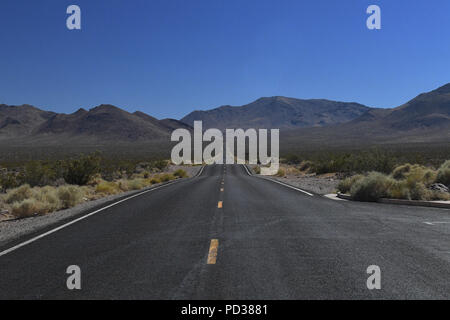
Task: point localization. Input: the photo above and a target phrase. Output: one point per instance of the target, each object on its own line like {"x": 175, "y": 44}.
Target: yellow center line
{"x": 212, "y": 255}
{"x": 219, "y": 205}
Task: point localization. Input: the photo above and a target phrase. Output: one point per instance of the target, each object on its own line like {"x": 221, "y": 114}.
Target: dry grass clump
{"x": 166, "y": 177}
{"x": 28, "y": 208}
{"x": 18, "y": 194}
{"x": 281, "y": 172}
{"x": 137, "y": 184}
{"x": 305, "y": 165}
{"x": 257, "y": 170}
{"x": 70, "y": 196}
{"x": 155, "y": 180}
{"x": 180, "y": 173}
{"x": 26, "y": 201}
{"x": 107, "y": 187}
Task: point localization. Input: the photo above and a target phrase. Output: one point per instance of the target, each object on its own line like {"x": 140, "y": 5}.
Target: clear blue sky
{"x": 169, "y": 57}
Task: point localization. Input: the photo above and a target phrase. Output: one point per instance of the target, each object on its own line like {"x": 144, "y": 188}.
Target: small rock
{"x": 439, "y": 187}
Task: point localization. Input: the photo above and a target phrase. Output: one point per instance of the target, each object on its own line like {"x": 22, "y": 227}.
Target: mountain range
{"x": 425, "y": 118}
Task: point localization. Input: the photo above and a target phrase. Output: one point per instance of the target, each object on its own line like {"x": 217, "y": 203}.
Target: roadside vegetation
{"x": 41, "y": 187}
{"x": 411, "y": 182}
{"x": 368, "y": 175}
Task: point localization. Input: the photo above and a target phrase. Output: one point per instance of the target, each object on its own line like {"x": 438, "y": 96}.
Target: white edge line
{"x": 200, "y": 172}
{"x": 289, "y": 186}
{"x": 246, "y": 169}
{"x": 79, "y": 219}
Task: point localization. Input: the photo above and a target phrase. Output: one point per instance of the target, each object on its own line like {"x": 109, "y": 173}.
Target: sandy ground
{"x": 14, "y": 229}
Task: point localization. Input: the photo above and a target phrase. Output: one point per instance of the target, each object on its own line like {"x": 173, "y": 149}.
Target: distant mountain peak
{"x": 444, "y": 89}
{"x": 278, "y": 112}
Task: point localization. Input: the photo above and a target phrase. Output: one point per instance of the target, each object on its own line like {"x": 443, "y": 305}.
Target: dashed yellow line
{"x": 220, "y": 204}
{"x": 212, "y": 255}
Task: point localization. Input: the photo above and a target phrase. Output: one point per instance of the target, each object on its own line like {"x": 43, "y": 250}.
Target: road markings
{"x": 81, "y": 218}
{"x": 437, "y": 222}
{"x": 220, "y": 204}
{"x": 212, "y": 255}
{"x": 221, "y": 189}
{"x": 200, "y": 172}
{"x": 246, "y": 169}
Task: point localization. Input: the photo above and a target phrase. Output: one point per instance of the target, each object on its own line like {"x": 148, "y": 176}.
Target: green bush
{"x": 36, "y": 173}
{"x": 345, "y": 185}
{"x": 80, "y": 171}
{"x": 372, "y": 187}
{"x": 443, "y": 174}
{"x": 8, "y": 181}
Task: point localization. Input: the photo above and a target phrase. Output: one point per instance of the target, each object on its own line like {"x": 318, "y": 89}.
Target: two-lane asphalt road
{"x": 228, "y": 235}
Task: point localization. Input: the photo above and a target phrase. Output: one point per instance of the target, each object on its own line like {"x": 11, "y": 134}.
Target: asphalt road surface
{"x": 245, "y": 238}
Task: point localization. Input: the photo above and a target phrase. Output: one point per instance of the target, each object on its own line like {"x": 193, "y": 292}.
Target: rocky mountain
{"x": 279, "y": 112}
{"x": 315, "y": 123}
{"x": 103, "y": 123}
{"x": 424, "y": 119}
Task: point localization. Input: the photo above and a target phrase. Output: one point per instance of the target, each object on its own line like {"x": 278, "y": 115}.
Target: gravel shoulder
{"x": 325, "y": 184}
{"x": 14, "y": 229}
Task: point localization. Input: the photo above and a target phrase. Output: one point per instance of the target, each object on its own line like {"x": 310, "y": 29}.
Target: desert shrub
{"x": 136, "y": 184}
{"x": 70, "y": 196}
{"x": 107, "y": 187}
{"x": 257, "y": 170}
{"x": 180, "y": 173}
{"x": 8, "y": 181}
{"x": 414, "y": 174}
{"x": 399, "y": 190}
{"x": 345, "y": 185}
{"x": 372, "y": 187}
{"x": 281, "y": 172}
{"x": 123, "y": 185}
{"x": 443, "y": 174}
{"x": 159, "y": 164}
{"x": 443, "y": 196}
{"x": 292, "y": 159}
{"x": 49, "y": 196}
{"x": 28, "y": 208}
{"x": 36, "y": 173}
{"x": 292, "y": 171}
{"x": 155, "y": 180}
{"x": 401, "y": 171}
{"x": 80, "y": 171}
{"x": 305, "y": 165}
{"x": 19, "y": 194}
{"x": 166, "y": 177}
{"x": 420, "y": 192}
